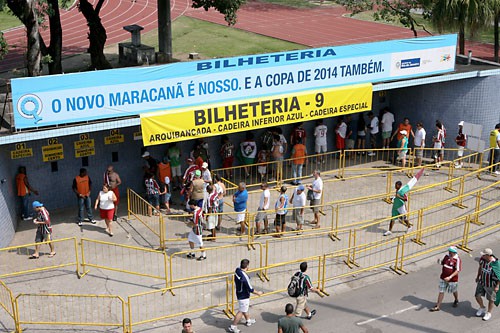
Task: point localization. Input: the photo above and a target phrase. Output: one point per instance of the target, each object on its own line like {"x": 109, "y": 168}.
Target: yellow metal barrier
{"x": 145, "y": 213}
{"x": 124, "y": 258}
{"x": 191, "y": 297}
{"x": 7, "y": 302}
{"x": 71, "y": 310}
{"x": 20, "y": 253}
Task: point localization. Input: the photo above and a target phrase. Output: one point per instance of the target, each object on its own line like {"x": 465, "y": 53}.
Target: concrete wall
{"x": 8, "y": 215}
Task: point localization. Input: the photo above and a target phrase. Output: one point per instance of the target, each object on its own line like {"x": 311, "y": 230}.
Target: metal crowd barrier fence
{"x": 7, "y": 303}
{"x": 70, "y": 310}
{"x": 16, "y": 253}
{"x": 145, "y": 213}
{"x": 124, "y": 258}
{"x": 180, "y": 300}
{"x": 474, "y": 219}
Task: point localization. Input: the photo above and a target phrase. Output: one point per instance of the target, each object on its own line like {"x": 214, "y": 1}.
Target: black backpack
{"x": 295, "y": 285}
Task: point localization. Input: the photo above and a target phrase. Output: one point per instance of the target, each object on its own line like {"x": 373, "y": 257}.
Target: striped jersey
{"x": 487, "y": 277}
{"x": 44, "y": 216}
{"x": 152, "y": 186}
{"x": 198, "y": 219}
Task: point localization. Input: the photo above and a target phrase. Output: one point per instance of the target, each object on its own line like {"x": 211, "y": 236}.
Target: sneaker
{"x": 409, "y": 229}
{"x": 455, "y": 304}
{"x": 201, "y": 258}
{"x": 480, "y": 312}
{"x": 233, "y": 329}
{"x": 387, "y": 233}
{"x": 487, "y": 316}
{"x": 87, "y": 220}
{"x": 80, "y": 223}
{"x": 313, "y": 312}
{"x": 115, "y": 218}
{"x": 93, "y": 221}
{"x": 191, "y": 256}
{"x": 250, "y": 322}
{"x": 459, "y": 166}
{"x": 371, "y": 154}
{"x": 497, "y": 172}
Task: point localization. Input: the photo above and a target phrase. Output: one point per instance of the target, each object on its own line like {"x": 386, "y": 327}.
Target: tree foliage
{"x": 226, "y": 7}
{"x": 4, "y": 47}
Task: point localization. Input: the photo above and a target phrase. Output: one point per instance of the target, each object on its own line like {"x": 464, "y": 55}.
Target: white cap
{"x": 167, "y": 180}
{"x": 461, "y": 123}
{"x": 204, "y": 165}
{"x": 404, "y": 132}
{"x": 146, "y": 154}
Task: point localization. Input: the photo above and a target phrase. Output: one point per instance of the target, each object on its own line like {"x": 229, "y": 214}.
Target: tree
{"x": 30, "y": 13}
{"x": 4, "y": 47}
{"x": 226, "y": 7}
{"x": 495, "y": 7}
{"x": 392, "y": 11}
{"x": 96, "y": 35}
{"x": 461, "y": 15}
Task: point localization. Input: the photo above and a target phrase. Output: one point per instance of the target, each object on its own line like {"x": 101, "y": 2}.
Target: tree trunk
{"x": 55, "y": 47}
{"x": 461, "y": 41}
{"x": 497, "y": 17}
{"x": 96, "y": 35}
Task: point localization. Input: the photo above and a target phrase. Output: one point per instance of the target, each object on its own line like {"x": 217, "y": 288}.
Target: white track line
{"x": 415, "y": 307}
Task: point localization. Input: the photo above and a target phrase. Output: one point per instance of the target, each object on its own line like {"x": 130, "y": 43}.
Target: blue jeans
{"x": 84, "y": 202}
{"x": 25, "y": 205}
{"x": 297, "y": 172}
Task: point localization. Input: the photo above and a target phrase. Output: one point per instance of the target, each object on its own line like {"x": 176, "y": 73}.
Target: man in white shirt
{"x": 320, "y": 142}
{"x": 317, "y": 188}
{"x": 298, "y": 200}
{"x": 373, "y": 127}
{"x": 419, "y": 141}
{"x": 387, "y": 121}
{"x": 265, "y": 199}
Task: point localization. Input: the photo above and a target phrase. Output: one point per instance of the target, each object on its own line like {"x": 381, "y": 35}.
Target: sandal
{"x": 434, "y": 309}
{"x": 52, "y": 254}
{"x": 33, "y": 257}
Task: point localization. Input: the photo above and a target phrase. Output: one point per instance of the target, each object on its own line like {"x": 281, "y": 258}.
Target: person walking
{"x": 306, "y": 287}
{"x": 43, "y": 230}
{"x": 24, "y": 191}
{"x": 82, "y": 186}
{"x": 240, "y": 199}
{"x": 195, "y": 235}
{"x": 290, "y": 323}
{"x": 243, "y": 290}
{"x": 187, "y": 326}
{"x": 265, "y": 199}
{"x": 281, "y": 210}
{"x": 317, "y": 188}
{"x": 298, "y": 200}
{"x": 495, "y": 149}
{"x": 399, "y": 209}
{"x": 106, "y": 201}
{"x": 452, "y": 265}
{"x": 113, "y": 180}
{"x": 488, "y": 283}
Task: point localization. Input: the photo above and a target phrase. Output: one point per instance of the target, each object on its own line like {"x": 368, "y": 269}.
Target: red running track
{"x": 315, "y": 27}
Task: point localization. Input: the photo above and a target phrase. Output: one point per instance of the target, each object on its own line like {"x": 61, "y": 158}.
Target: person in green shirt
{"x": 290, "y": 323}
{"x": 174, "y": 155}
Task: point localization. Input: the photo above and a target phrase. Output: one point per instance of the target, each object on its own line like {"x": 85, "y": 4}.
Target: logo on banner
{"x": 408, "y": 63}
{"x": 445, "y": 57}
{"x": 30, "y": 106}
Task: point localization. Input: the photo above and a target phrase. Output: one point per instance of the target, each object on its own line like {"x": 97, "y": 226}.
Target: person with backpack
{"x": 299, "y": 287}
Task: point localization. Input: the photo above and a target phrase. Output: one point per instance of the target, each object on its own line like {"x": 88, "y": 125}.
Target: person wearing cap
{"x": 298, "y": 200}
{"x": 495, "y": 149}
{"x": 452, "y": 265}
{"x": 461, "y": 141}
{"x": 265, "y": 199}
{"x": 150, "y": 164}
{"x": 44, "y": 229}
{"x": 240, "y": 199}
{"x": 197, "y": 189}
{"x": 281, "y": 210}
{"x": 206, "y": 175}
{"x": 488, "y": 283}
{"x": 403, "y": 147}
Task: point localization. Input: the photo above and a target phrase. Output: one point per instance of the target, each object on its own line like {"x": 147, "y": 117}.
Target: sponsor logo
{"x": 30, "y": 106}
{"x": 410, "y": 63}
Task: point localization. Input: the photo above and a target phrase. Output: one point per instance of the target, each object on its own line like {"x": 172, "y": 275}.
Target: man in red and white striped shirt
{"x": 44, "y": 229}
{"x": 487, "y": 283}
{"x": 452, "y": 265}
{"x": 195, "y": 235}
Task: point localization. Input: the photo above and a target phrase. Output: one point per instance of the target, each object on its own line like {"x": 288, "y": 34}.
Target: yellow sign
{"x": 21, "y": 151}
{"x": 244, "y": 115}
{"x": 84, "y": 148}
{"x": 114, "y": 137}
{"x": 137, "y": 136}
{"x": 53, "y": 152}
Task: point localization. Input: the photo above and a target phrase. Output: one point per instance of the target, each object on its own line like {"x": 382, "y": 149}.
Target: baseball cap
{"x": 146, "y": 154}
{"x": 461, "y": 123}
{"x": 167, "y": 180}
{"x": 452, "y": 249}
{"x": 404, "y": 132}
{"x": 301, "y": 188}
{"x": 204, "y": 165}
{"x": 37, "y": 204}
{"x": 189, "y": 160}
{"x": 197, "y": 173}
{"x": 487, "y": 251}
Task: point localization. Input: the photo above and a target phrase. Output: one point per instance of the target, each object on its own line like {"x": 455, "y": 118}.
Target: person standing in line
{"x": 164, "y": 172}
{"x": 24, "y": 191}
{"x": 211, "y": 204}
{"x": 306, "y": 287}
{"x": 404, "y": 126}
{"x": 298, "y": 200}
{"x": 277, "y": 152}
{"x": 262, "y": 160}
{"x": 299, "y": 153}
{"x": 221, "y": 192}
{"x": 373, "y": 127}
{"x": 82, "y": 186}
{"x": 227, "y": 154}
{"x": 298, "y": 132}
{"x": 340, "y": 134}
{"x": 240, "y": 199}
{"x": 403, "y": 146}
{"x": 265, "y": 198}
{"x": 452, "y": 265}
{"x": 153, "y": 193}
{"x": 281, "y": 210}
{"x": 197, "y": 189}
{"x": 461, "y": 141}
{"x": 43, "y": 230}
{"x": 438, "y": 145}
{"x": 290, "y": 323}
{"x": 195, "y": 236}
{"x": 106, "y": 201}
{"x": 387, "y": 121}
{"x": 187, "y": 326}
{"x": 419, "y": 143}
{"x": 243, "y": 290}
{"x": 361, "y": 133}
{"x": 248, "y": 152}
{"x": 488, "y": 283}
{"x": 317, "y": 188}
{"x": 174, "y": 156}
{"x": 206, "y": 175}
{"x": 349, "y": 141}
{"x": 113, "y": 180}
{"x": 320, "y": 145}
{"x": 495, "y": 149}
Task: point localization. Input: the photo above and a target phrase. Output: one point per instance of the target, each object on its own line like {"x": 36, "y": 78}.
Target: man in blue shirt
{"x": 240, "y": 199}
{"x": 243, "y": 291}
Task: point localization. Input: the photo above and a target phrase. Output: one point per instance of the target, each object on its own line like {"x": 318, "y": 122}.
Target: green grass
{"x": 8, "y": 21}
{"x": 211, "y": 40}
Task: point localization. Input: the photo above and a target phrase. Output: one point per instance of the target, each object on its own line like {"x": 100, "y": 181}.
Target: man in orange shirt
{"x": 404, "y": 126}
{"x": 24, "y": 190}
{"x": 82, "y": 186}
{"x": 299, "y": 153}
